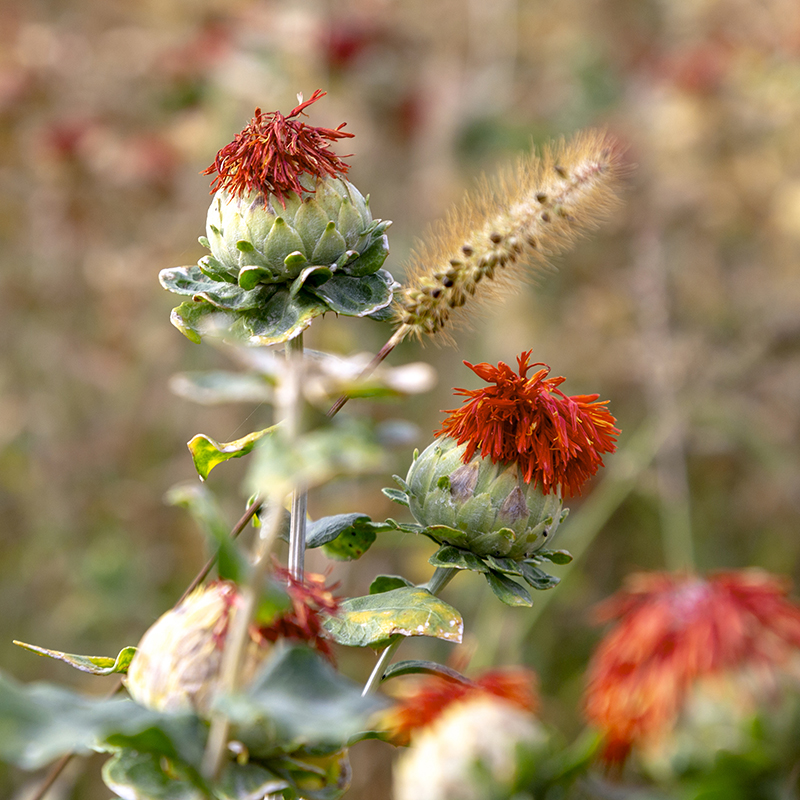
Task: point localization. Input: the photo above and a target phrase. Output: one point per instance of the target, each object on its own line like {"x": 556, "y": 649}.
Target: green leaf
{"x": 300, "y": 698}
{"x": 197, "y": 319}
{"x": 505, "y": 565}
{"x": 355, "y": 296}
{"x": 96, "y": 665}
{"x": 554, "y": 556}
{"x": 538, "y": 578}
{"x": 385, "y": 583}
{"x": 396, "y": 496}
{"x": 220, "y": 386}
{"x": 406, "y": 611}
{"x": 282, "y": 317}
{"x": 326, "y": 778}
{"x": 423, "y": 668}
{"x": 456, "y": 558}
{"x": 145, "y": 776}
{"x": 510, "y": 592}
{"x": 326, "y": 529}
{"x": 207, "y": 452}
{"x": 345, "y": 447}
{"x": 350, "y": 545}
{"x": 231, "y": 296}
{"x": 40, "y": 722}
{"x": 187, "y": 281}
{"x": 231, "y": 562}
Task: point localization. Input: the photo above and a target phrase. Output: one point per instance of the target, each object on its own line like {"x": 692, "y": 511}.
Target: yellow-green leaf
{"x": 207, "y": 452}
{"x": 97, "y": 665}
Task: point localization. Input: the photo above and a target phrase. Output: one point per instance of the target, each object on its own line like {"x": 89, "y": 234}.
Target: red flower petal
{"x": 273, "y": 151}
{"x": 557, "y": 441}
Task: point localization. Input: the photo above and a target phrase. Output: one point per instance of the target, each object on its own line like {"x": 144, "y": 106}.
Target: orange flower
{"x": 556, "y": 440}
{"x": 431, "y": 696}
{"x": 675, "y": 630}
{"x": 273, "y": 151}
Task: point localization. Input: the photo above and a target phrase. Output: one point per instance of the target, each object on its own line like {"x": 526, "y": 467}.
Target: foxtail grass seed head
{"x": 532, "y": 212}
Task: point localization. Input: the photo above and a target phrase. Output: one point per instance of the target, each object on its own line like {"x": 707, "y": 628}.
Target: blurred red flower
{"x": 675, "y": 629}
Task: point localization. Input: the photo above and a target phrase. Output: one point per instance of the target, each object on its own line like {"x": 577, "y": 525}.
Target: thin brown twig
{"x": 60, "y": 765}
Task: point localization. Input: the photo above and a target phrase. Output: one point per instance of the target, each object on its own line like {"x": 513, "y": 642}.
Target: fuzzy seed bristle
{"x": 503, "y": 225}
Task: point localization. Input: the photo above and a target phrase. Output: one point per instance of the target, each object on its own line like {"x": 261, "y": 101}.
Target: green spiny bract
{"x": 479, "y": 506}
{"x": 329, "y": 228}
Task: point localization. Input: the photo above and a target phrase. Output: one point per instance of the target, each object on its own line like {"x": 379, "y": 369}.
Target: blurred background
{"x": 683, "y": 310}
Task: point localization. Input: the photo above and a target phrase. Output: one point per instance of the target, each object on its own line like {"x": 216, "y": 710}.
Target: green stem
{"x": 237, "y": 639}
{"x": 297, "y": 532}
{"x": 441, "y": 577}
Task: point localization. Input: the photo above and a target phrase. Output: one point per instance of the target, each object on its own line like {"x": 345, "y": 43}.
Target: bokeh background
{"x": 683, "y": 311}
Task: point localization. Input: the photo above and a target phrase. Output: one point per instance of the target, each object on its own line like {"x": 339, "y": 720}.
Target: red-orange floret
{"x": 310, "y": 600}
{"x": 432, "y": 695}
{"x": 673, "y": 629}
{"x": 273, "y": 151}
{"x": 556, "y": 440}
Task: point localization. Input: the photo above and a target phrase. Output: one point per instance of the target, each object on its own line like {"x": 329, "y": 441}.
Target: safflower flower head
{"x": 689, "y": 658}
{"x": 466, "y": 738}
{"x": 178, "y": 662}
{"x": 271, "y": 153}
{"x": 557, "y": 441}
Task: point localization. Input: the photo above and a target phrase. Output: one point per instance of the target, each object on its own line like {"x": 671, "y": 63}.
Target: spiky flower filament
{"x": 556, "y": 440}
{"x": 532, "y": 212}
{"x": 272, "y": 152}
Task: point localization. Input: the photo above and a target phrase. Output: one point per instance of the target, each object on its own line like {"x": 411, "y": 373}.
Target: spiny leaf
{"x": 96, "y": 665}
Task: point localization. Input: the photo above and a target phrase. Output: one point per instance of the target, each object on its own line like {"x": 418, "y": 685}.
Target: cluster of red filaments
{"x": 272, "y": 153}
{"x": 310, "y": 600}
{"x": 557, "y": 441}
{"x": 673, "y": 630}
{"x": 431, "y": 696}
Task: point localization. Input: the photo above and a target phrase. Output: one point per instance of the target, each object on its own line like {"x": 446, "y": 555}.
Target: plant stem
{"x": 441, "y": 577}
{"x": 297, "y": 532}
{"x": 237, "y": 639}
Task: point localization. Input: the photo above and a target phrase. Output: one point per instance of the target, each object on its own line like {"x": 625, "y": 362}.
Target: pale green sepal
{"x": 96, "y": 665}
{"x": 252, "y": 274}
{"x": 371, "y": 259}
{"x": 329, "y": 247}
{"x": 282, "y": 239}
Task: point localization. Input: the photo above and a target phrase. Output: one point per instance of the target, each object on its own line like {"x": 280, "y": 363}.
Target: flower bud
{"x": 482, "y": 506}
{"x": 266, "y": 239}
{"x": 178, "y": 661}
{"x": 468, "y": 741}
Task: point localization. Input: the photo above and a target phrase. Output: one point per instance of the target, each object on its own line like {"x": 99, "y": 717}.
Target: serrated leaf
{"x": 554, "y": 556}
{"x": 406, "y": 611}
{"x": 396, "y": 496}
{"x": 96, "y": 665}
{"x": 423, "y": 668}
{"x": 220, "y": 386}
{"x": 40, "y": 722}
{"x": 354, "y": 296}
{"x": 510, "y": 592}
{"x": 454, "y": 557}
{"x": 298, "y": 695}
{"x": 538, "y": 578}
{"x": 207, "y": 453}
{"x": 385, "y": 583}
